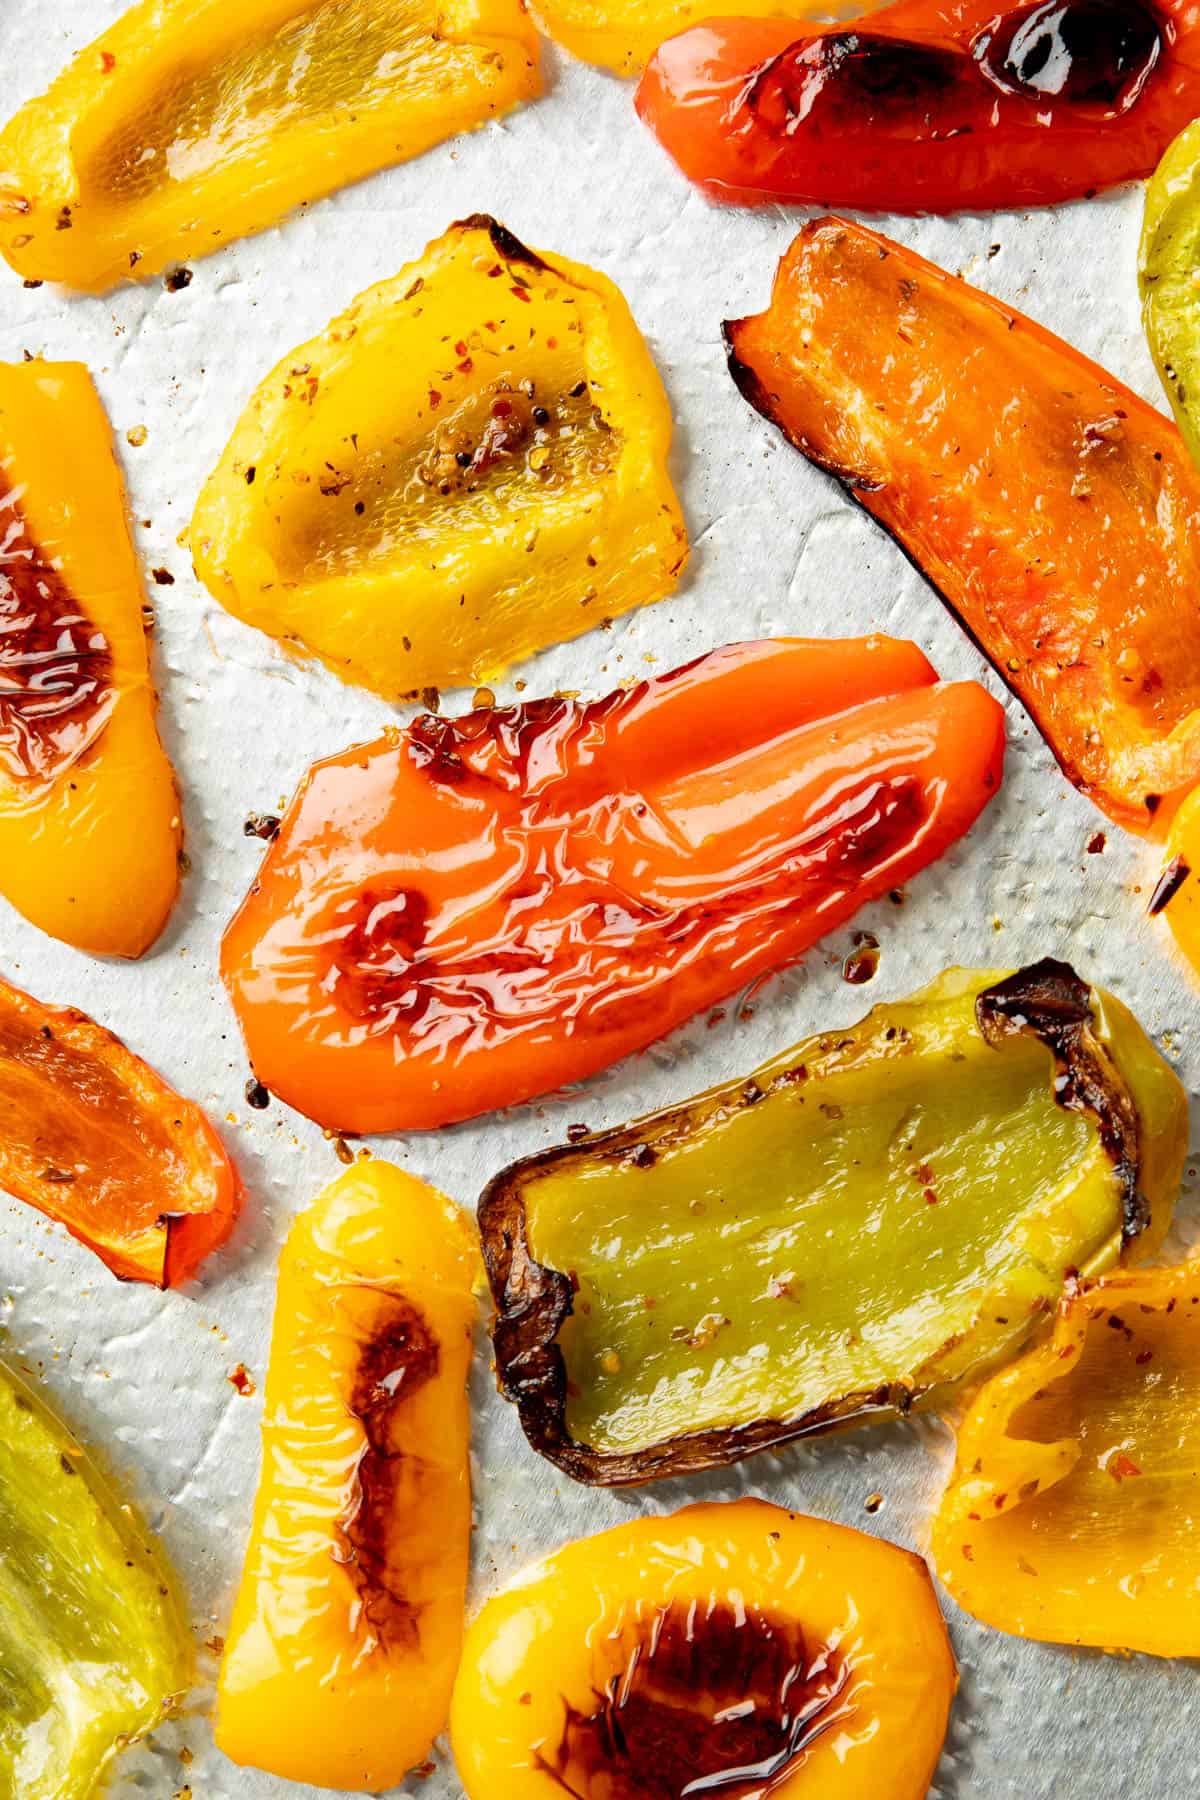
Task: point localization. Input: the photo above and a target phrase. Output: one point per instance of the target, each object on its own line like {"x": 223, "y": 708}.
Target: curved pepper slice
{"x": 192, "y": 122}
{"x": 932, "y": 106}
{"x": 468, "y": 465}
{"x": 92, "y": 1645}
{"x": 623, "y": 36}
{"x": 348, "y": 1622}
{"x": 92, "y": 1137}
{"x": 732, "y": 1649}
{"x": 1070, "y": 1515}
{"x": 477, "y": 910}
{"x": 1035, "y": 491}
{"x": 89, "y": 815}
{"x": 1168, "y": 257}
{"x": 861, "y": 1224}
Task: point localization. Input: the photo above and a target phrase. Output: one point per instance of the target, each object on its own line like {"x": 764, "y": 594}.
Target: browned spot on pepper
{"x": 56, "y": 666}
{"x": 380, "y": 934}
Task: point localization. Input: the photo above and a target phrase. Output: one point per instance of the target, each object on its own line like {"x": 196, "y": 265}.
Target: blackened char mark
{"x": 1096, "y": 54}
{"x": 848, "y": 79}
{"x": 504, "y": 241}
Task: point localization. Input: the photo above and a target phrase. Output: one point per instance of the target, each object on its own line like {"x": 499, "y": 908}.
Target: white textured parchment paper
{"x": 144, "y": 1376}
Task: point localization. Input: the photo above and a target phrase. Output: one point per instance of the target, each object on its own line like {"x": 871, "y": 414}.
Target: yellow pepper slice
{"x": 348, "y": 1622}
{"x": 734, "y": 1650}
{"x": 623, "y": 36}
{"x": 191, "y": 122}
{"x": 1070, "y": 1515}
{"x": 469, "y": 464}
{"x": 89, "y": 815}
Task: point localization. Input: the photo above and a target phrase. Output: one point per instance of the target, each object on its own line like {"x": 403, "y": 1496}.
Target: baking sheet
{"x": 145, "y": 1376}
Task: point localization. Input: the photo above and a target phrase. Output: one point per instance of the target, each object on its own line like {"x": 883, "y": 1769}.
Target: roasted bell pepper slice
{"x": 731, "y": 1649}
{"x": 624, "y": 35}
{"x": 1167, "y": 262}
{"x": 477, "y": 910}
{"x": 469, "y": 464}
{"x": 93, "y": 1649}
{"x": 931, "y": 106}
{"x": 1070, "y": 1515}
{"x": 348, "y": 1622}
{"x": 191, "y": 122}
{"x": 93, "y": 1138}
{"x": 856, "y": 1227}
{"x": 89, "y": 814}
{"x": 1035, "y": 491}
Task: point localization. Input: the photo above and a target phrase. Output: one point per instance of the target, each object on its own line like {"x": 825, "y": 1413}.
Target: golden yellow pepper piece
{"x": 469, "y": 464}
{"x": 191, "y": 122}
{"x": 624, "y": 36}
{"x": 347, "y": 1627}
{"x": 89, "y": 815}
{"x": 1071, "y": 1512}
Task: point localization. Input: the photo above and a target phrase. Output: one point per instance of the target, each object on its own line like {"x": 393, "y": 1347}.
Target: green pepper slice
{"x": 92, "y": 1648}
{"x": 856, "y": 1229}
{"x": 1168, "y": 273}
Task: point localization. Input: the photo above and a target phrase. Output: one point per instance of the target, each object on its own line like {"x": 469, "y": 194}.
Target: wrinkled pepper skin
{"x": 474, "y": 911}
{"x": 469, "y": 464}
{"x": 1168, "y": 258}
{"x": 675, "y": 1294}
{"x": 348, "y": 1623}
{"x": 672, "y": 1654}
{"x": 193, "y": 122}
{"x": 90, "y": 831}
{"x": 931, "y": 106}
{"x": 623, "y": 37}
{"x": 93, "y": 1649}
{"x": 1055, "y": 512}
{"x": 92, "y": 1137}
{"x": 1070, "y": 1515}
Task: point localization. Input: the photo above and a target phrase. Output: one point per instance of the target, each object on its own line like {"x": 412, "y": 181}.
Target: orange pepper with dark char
{"x": 1055, "y": 512}
{"x": 92, "y": 1137}
{"x": 473, "y": 911}
{"x": 89, "y": 814}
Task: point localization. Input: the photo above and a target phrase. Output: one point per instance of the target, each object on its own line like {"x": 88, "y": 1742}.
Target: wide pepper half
{"x": 1071, "y": 1513}
{"x": 191, "y": 122}
{"x": 1056, "y": 512}
{"x": 93, "y": 1138}
{"x": 847, "y": 1233}
{"x": 932, "y": 105}
{"x": 93, "y": 1649}
{"x": 89, "y": 814}
{"x": 348, "y": 1622}
{"x": 469, "y": 464}
{"x": 473, "y": 911}
{"x": 734, "y": 1650}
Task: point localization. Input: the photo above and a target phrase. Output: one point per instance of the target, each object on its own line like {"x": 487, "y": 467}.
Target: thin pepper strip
{"x": 931, "y": 105}
{"x": 621, "y": 35}
{"x": 1070, "y": 1515}
{"x": 90, "y": 833}
{"x": 476, "y": 910}
{"x": 1055, "y": 512}
{"x": 738, "y": 1650}
{"x": 93, "y": 1647}
{"x": 192, "y": 122}
{"x": 853, "y": 1230}
{"x": 92, "y": 1137}
{"x": 1168, "y": 255}
{"x": 346, "y": 1632}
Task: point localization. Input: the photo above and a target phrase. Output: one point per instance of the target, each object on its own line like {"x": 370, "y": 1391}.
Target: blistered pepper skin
{"x": 469, "y": 464}
{"x": 1059, "y": 519}
{"x": 931, "y": 105}
{"x": 671, "y": 1654}
{"x": 474, "y": 911}
{"x": 91, "y": 1136}
{"x": 677, "y": 1293}
{"x": 1070, "y": 1515}
{"x": 90, "y": 833}
{"x": 192, "y": 122}
{"x": 93, "y": 1646}
{"x": 348, "y": 1622}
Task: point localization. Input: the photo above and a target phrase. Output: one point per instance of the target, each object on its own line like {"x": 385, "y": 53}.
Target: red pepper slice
{"x": 93, "y": 1138}
{"x": 928, "y": 105}
{"x": 477, "y": 910}
{"x": 1057, "y": 514}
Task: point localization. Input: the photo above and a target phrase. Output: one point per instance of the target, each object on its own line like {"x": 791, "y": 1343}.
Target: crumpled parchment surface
{"x": 144, "y": 1376}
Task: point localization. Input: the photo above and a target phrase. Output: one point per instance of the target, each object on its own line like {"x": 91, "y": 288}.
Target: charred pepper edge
{"x": 750, "y": 386}
{"x": 504, "y": 242}
{"x": 1047, "y": 1001}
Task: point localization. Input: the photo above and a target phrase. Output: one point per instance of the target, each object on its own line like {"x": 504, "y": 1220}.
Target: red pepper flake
{"x": 1096, "y": 843}
{"x": 435, "y": 399}
{"x": 930, "y": 1197}
{"x": 242, "y": 1380}
{"x": 520, "y": 294}
{"x": 1121, "y": 1468}
{"x": 108, "y": 62}
{"x": 460, "y": 349}
{"x": 1143, "y": 1357}
{"x": 465, "y": 366}
{"x": 968, "y": 1552}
